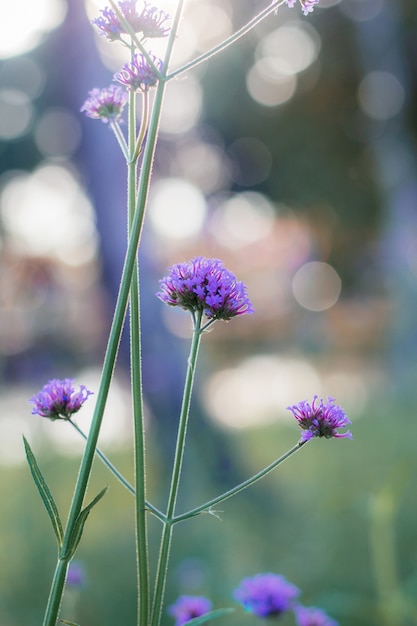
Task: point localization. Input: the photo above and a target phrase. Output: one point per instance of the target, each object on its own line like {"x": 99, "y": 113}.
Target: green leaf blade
{"x": 45, "y": 493}
{"x": 77, "y": 531}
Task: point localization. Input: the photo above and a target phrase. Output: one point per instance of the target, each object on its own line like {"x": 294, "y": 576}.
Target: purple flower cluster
{"x": 188, "y": 607}
{"x": 58, "y": 399}
{"x": 306, "y": 5}
{"x": 151, "y": 21}
{"x": 105, "y": 104}
{"x": 266, "y": 595}
{"x": 139, "y": 74}
{"x": 205, "y": 285}
{"x": 320, "y": 419}
{"x": 312, "y": 616}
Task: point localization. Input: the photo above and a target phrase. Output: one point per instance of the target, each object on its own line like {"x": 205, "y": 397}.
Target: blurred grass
{"x": 323, "y": 520}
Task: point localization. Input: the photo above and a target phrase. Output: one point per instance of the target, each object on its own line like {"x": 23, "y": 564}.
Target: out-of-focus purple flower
{"x": 105, "y": 104}
{"x": 58, "y": 399}
{"x": 151, "y": 21}
{"x": 320, "y": 419}
{"x": 109, "y": 24}
{"x": 75, "y": 575}
{"x": 205, "y": 285}
{"x": 312, "y": 616}
{"x": 188, "y": 607}
{"x": 266, "y": 595}
{"x": 306, "y": 5}
{"x": 139, "y": 75}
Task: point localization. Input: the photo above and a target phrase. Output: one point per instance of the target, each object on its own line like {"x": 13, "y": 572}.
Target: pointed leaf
{"x": 196, "y": 621}
{"x": 44, "y": 493}
{"x": 77, "y": 531}
{"x": 64, "y": 621}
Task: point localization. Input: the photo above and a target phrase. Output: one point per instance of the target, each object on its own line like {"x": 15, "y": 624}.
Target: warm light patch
{"x": 23, "y": 24}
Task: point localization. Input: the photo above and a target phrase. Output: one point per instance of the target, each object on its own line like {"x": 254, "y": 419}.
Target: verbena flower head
{"x": 58, "y": 399}
{"x": 139, "y": 75}
{"x": 105, "y": 104}
{"x": 320, "y": 419}
{"x": 312, "y": 616}
{"x": 188, "y": 607}
{"x": 151, "y": 21}
{"x": 205, "y": 285}
{"x": 306, "y": 5}
{"x": 266, "y": 595}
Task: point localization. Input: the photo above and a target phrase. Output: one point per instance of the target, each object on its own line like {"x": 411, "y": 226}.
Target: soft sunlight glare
{"x": 381, "y": 95}
{"x": 177, "y": 208}
{"x": 258, "y": 390}
{"x": 183, "y": 106}
{"x": 295, "y": 46}
{"x": 270, "y": 84}
{"x": 47, "y": 214}
{"x": 58, "y": 132}
{"x": 316, "y": 286}
{"x": 242, "y": 219}
{"x": 16, "y": 114}
{"x": 23, "y": 24}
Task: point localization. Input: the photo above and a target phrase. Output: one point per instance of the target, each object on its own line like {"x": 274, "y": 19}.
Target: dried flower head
{"x": 58, "y": 399}
{"x": 307, "y": 6}
{"x": 188, "y": 607}
{"x": 151, "y": 21}
{"x": 312, "y": 616}
{"x": 266, "y": 595}
{"x": 105, "y": 104}
{"x": 139, "y": 74}
{"x": 205, "y": 285}
{"x": 320, "y": 419}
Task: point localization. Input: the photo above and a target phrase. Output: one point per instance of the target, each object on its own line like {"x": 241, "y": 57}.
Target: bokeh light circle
{"x": 316, "y": 286}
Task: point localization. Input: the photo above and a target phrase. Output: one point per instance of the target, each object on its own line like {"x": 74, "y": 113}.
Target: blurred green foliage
{"x": 329, "y": 520}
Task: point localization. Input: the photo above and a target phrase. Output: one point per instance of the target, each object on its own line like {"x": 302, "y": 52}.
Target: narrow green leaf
{"x": 77, "y": 531}
{"x": 64, "y": 621}
{"x": 44, "y": 493}
{"x": 196, "y": 621}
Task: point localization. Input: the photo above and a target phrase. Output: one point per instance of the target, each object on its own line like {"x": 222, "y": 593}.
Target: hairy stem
{"x": 175, "y": 478}
{"x": 232, "y": 492}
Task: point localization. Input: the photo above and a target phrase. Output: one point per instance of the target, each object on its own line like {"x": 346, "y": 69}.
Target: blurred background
{"x": 292, "y": 157}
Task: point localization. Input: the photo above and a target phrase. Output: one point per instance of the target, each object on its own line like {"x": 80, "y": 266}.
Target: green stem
{"x": 113, "y": 469}
{"x": 136, "y": 384}
{"x": 175, "y": 478}
{"x": 232, "y": 492}
{"x": 115, "y": 126}
{"x": 229, "y": 41}
{"x": 143, "y": 125}
{"x": 106, "y": 461}
{"x": 58, "y": 582}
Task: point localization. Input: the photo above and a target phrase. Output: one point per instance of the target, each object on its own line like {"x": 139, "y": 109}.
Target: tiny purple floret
{"x": 307, "y": 6}
{"x": 266, "y": 595}
{"x": 105, "y": 104}
{"x": 139, "y": 74}
{"x": 320, "y": 419}
{"x": 151, "y": 21}
{"x": 75, "y": 575}
{"x": 189, "y": 607}
{"x": 58, "y": 399}
{"x": 312, "y": 616}
{"x": 205, "y": 285}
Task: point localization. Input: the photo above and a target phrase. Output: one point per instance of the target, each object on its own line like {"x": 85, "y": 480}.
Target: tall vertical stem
{"x": 136, "y": 385}
{"x": 175, "y": 478}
